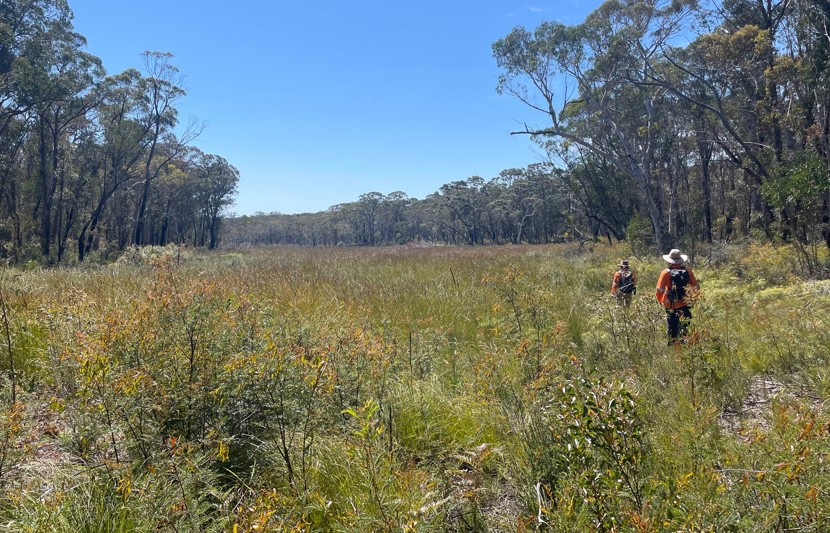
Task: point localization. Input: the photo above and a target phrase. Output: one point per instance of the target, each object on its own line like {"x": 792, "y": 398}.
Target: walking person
{"x": 624, "y": 285}
{"x": 673, "y": 287}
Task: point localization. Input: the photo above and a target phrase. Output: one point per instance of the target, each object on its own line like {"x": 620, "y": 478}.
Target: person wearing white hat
{"x": 624, "y": 284}
{"x": 673, "y": 286}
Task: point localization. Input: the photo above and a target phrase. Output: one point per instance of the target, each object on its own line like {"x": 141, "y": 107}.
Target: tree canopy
{"x": 706, "y": 122}
{"x": 91, "y": 161}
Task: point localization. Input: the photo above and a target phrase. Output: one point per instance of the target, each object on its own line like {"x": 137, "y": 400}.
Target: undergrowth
{"x": 412, "y": 389}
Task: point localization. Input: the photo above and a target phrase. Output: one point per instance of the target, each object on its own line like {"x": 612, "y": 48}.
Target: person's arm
{"x": 662, "y": 287}
{"x": 615, "y": 282}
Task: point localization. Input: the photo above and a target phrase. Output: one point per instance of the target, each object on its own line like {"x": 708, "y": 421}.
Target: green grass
{"x": 416, "y": 389}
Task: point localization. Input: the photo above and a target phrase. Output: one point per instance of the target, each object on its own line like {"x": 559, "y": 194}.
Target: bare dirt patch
{"x": 755, "y": 409}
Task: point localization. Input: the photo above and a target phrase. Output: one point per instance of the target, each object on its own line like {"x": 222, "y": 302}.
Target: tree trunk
{"x": 165, "y": 222}
{"x": 214, "y": 231}
{"x": 704, "y": 149}
{"x": 145, "y": 195}
{"x": 82, "y": 243}
{"x": 45, "y": 194}
{"x": 64, "y": 237}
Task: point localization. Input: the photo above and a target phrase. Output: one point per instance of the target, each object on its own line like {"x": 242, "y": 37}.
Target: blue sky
{"x": 319, "y": 102}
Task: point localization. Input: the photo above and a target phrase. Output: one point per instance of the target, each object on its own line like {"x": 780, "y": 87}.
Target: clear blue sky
{"x": 319, "y": 102}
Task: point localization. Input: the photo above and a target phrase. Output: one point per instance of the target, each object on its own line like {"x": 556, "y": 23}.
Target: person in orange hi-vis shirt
{"x": 673, "y": 288}
{"x": 624, "y": 285}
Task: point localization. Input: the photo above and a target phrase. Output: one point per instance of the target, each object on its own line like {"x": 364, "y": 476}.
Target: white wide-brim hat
{"x": 675, "y": 257}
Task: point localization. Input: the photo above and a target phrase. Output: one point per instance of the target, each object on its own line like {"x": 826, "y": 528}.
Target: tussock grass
{"x": 416, "y": 389}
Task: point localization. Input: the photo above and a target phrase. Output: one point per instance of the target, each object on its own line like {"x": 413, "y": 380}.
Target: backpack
{"x": 626, "y": 284}
{"x": 679, "y": 280}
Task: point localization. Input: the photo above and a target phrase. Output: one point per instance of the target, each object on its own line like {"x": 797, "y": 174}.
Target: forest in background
{"x": 671, "y": 122}
{"x": 92, "y": 163}
{"x": 665, "y": 123}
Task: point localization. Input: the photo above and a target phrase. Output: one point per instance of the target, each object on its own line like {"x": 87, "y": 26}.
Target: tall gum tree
{"x": 68, "y": 98}
{"x": 721, "y": 76}
{"x": 163, "y": 90}
{"x": 123, "y": 140}
{"x": 50, "y": 81}
{"x": 579, "y": 77}
{"x": 216, "y": 185}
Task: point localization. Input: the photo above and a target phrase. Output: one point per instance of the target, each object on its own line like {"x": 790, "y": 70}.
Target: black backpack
{"x": 626, "y": 284}
{"x": 679, "y": 280}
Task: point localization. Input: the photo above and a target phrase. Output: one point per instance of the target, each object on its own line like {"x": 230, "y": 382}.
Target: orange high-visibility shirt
{"x": 664, "y": 286}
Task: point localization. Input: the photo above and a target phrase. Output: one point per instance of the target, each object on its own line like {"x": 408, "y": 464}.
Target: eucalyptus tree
{"x": 52, "y": 79}
{"x": 513, "y": 204}
{"x": 749, "y": 87}
{"x": 538, "y": 202}
{"x": 78, "y": 172}
{"x": 27, "y": 28}
{"x": 579, "y": 77}
{"x": 122, "y": 138}
{"x": 420, "y": 221}
{"x": 461, "y": 203}
{"x": 360, "y": 219}
{"x": 368, "y": 210}
{"x": 162, "y": 84}
{"x": 808, "y": 70}
{"x": 175, "y": 209}
{"x": 80, "y": 153}
{"x": 598, "y": 192}
{"x": 23, "y": 24}
{"x": 720, "y": 77}
{"x": 393, "y": 222}
{"x": 12, "y": 142}
{"x": 499, "y": 200}
{"x": 217, "y": 182}
{"x": 768, "y": 16}
{"x": 67, "y": 96}
{"x": 493, "y": 199}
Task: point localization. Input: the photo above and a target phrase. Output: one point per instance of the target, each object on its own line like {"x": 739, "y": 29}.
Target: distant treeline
{"x": 91, "y": 162}
{"x": 532, "y": 205}
{"x": 676, "y": 121}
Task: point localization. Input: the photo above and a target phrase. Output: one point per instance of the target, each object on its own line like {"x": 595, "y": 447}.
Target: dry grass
{"x": 415, "y": 388}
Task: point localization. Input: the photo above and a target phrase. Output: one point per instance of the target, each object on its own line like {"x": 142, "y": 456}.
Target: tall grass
{"x": 415, "y": 389}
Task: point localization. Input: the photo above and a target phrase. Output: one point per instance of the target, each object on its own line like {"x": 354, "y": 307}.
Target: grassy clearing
{"x": 417, "y": 389}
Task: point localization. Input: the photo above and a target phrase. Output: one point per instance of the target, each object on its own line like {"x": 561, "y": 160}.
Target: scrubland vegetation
{"x": 412, "y": 389}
